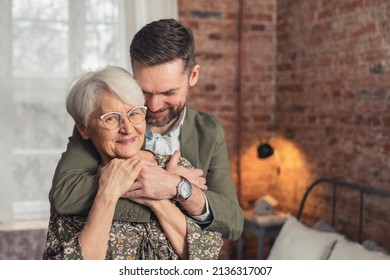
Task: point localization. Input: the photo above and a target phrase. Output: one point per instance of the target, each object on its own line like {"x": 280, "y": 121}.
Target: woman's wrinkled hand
{"x": 117, "y": 177}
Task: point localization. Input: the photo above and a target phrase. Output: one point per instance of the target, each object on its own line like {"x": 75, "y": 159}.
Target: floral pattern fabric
{"x": 130, "y": 240}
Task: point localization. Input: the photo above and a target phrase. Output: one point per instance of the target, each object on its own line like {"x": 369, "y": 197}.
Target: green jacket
{"x": 202, "y": 142}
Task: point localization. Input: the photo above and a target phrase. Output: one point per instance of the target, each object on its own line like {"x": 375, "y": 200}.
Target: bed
{"x": 323, "y": 240}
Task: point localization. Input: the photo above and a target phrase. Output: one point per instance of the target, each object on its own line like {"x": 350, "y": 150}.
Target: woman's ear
{"x": 82, "y": 130}
{"x": 194, "y": 75}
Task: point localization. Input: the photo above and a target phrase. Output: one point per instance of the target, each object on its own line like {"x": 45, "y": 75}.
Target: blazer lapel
{"x": 189, "y": 139}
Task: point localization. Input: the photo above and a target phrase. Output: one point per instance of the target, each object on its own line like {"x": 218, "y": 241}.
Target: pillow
{"x": 299, "y": 242}
{"x": 347, "y": 250}
{"x": 323, "y": 225}
{"x": 372, "y": 246}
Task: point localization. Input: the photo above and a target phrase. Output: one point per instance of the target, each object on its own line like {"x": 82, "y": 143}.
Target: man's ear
{"x": 194, "y": 75}
{"x": 82, "y": 130}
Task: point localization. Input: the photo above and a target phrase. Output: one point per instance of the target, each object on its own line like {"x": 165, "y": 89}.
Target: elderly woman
{"x": 107, "y": 107}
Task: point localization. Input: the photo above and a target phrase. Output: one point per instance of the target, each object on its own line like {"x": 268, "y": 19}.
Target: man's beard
{"x": 173, "y": 114}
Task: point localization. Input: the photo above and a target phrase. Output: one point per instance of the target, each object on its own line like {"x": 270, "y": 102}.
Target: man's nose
{"x": 154, "y": 103}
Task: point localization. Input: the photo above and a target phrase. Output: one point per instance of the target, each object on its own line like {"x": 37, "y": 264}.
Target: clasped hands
{"x": 137, "y": 178}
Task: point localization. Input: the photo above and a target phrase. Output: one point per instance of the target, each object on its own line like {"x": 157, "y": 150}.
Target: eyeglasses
{"x": 113, "y": 120}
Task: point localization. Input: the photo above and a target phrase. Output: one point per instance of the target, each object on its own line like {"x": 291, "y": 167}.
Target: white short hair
{"x": 84, "y": 91}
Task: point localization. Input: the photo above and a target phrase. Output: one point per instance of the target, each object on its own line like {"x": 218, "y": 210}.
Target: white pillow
{"x": 347, "y": 250}
{"x": 323, "y": 225}
{"x": 373, "y": 246}
{"x": 299, "y": 242}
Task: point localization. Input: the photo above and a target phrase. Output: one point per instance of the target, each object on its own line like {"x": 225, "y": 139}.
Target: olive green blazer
{"x": 202, "y": 142}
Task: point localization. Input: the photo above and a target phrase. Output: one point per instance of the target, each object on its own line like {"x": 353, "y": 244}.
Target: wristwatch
{"x": 184, "y": 190}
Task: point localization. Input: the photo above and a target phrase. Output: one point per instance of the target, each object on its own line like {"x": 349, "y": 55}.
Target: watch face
{"x": 185, "y": 189}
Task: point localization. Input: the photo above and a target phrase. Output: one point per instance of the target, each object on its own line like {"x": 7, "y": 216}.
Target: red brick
{"x": 365, "y": 30}
{"x": 351, "y": 7}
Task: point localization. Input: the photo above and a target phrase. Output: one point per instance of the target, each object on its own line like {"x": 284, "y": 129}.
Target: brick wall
{"x": 313, "y": 80}
{"x": 221, "y": 90}
{"x": 333, "y": 98}
{"x": 245, "y": 104}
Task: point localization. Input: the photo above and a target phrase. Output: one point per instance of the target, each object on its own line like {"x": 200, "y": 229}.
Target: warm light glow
{"x": 285, "y": 175}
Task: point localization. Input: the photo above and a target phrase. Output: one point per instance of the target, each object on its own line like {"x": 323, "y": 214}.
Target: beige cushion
{"x": 347, "y": 250}
{"x": 299, "y": 242}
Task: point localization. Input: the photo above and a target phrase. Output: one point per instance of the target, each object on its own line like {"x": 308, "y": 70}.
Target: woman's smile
{"x": 127, "y": 140}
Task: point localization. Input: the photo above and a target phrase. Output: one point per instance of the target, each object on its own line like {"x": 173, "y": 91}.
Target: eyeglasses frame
{"x": 123, "y": 117}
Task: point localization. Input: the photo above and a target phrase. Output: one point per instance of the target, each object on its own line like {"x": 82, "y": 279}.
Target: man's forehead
{"x": 160, "y": 80}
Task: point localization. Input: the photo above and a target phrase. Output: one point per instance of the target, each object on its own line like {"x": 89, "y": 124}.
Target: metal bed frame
{"x": 334, "y": 183}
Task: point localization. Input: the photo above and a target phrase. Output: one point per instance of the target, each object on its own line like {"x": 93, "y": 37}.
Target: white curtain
{"x": 45, "y": 43}
{"x": 143, "y": 12}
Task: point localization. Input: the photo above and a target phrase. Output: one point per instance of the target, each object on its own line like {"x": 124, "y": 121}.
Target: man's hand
{"x": 154, "y": 182}
{"x": 193, "y": 175}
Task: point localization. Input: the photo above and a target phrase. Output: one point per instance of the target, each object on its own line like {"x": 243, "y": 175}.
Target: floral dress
{"x": 130, "y": 240}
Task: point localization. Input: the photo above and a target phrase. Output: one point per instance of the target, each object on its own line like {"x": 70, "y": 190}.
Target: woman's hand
{"x": 117, "y": 177}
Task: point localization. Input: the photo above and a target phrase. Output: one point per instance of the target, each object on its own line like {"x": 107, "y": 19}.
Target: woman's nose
{"x": 126, "y": 125}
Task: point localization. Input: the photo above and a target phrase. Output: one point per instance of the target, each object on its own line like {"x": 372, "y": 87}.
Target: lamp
{"x": 265, "y": 150}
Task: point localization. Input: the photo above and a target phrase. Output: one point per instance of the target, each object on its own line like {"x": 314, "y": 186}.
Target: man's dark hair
{"x": 162, "y": 41}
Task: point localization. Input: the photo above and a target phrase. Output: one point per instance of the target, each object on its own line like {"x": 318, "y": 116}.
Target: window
{"x": 58, "y": 38}
{"x": 45, "y": 44}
